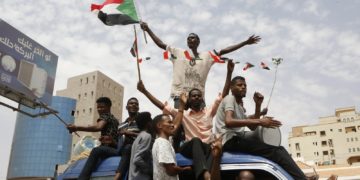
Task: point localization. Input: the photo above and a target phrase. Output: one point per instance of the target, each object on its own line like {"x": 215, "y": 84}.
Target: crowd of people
{"x": 148, "y": 145}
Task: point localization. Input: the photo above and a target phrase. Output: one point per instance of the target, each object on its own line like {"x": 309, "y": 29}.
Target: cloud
{"x": 319, "y": 72}
{"x": 313, "y": 8}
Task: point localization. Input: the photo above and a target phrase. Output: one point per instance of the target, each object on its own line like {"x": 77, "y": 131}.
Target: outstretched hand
{"x": 144, "y": 26}
{"x": 269, "y": 122}
{"x": 253, "y": 39}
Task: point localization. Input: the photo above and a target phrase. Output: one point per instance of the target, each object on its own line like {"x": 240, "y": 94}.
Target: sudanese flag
{"x": 116, "y": 12}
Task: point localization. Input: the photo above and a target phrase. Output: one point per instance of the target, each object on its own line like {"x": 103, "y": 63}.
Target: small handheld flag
{"x": 134, "y": 50}
{"x": 247, "y": 66}
{"x": 264, "y": 66}
{"x": 216, "y": 57}
{"x": 116, "y": 12}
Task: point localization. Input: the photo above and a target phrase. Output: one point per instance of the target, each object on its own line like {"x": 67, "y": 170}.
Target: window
{"x": 331, "y": 130}
{"x": 85, "y": 95}
{"x": 322, "y": 133}
{"x": 92, "y": 94}
{"x": 350, "y": 129}
{"x": 298, "y": 155}
{"x": 93, "y": 80}
{"x": 325, "y": 153}
{"x": 340, "y": 130}
{"x": 323, "y": 143}
{"x": 87, "y": 80}
{"x": 83, "y": 110}
{"x": 77, "y": 113}
{"x": 358, "y": 149}
{"x": 297, "y": 146}
{"x": 80, "y": 82}
{"x": 352, "y": 139}
{"x": 90, "y": 110}
{"x": 354, "y": 150}
{"x": 79, "y": 96}
{"x": 349, "y": 150}
{"x": 330, "y": 142}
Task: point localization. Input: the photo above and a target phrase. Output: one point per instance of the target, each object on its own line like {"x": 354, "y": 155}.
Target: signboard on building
{"x": 27, "y": 69}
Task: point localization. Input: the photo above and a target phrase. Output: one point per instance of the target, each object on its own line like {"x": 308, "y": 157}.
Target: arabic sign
{"x": 26, "y": 67}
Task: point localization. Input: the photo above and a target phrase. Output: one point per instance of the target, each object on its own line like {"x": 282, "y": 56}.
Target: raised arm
{"x": 251, "y": 40}
{"x": 180, "y": 114}
{"x": 230, "y": 69}
{"x": 226, "y": 89}
{"x": 157, "y": 40}
{"x": 154, "y": 100}
{"x": 258, "y": 99}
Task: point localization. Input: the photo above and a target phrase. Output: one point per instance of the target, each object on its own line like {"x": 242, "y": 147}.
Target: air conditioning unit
{"x": 33, "y": 77}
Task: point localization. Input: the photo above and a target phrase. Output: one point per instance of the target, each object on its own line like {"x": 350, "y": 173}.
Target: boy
{"x": 163, "y": 153}
{"x": 107, "y": 124}
{"x": 141, "y": 161}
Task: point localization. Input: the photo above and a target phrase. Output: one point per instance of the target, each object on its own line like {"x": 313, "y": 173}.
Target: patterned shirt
{"x": 131, "y": 126}
{"x": 186, "y": 77}
{"x": 111, "y": 126}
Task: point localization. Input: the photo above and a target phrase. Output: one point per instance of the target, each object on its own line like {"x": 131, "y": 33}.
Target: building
{"x": 86, "y": 89}
{"x": 41, "y": 143}
{"x": 335, "y": 140}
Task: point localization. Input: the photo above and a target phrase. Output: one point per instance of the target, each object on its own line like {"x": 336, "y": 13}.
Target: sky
{"x": 319, "y": 42}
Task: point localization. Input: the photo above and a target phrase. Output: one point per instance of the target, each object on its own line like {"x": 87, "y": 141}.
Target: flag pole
{"x": 138, "y": 12}
{"x": 137, "y": 55}
{"x": 277, "y": 62}
{"x": 144, "y": 33}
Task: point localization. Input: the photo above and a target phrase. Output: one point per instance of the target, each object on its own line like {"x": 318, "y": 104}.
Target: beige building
{"x": 334, "y": 140}
{"x": 86, "y": 89}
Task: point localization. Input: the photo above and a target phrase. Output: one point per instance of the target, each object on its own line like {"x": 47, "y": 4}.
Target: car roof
{"x": 229, "y": 161}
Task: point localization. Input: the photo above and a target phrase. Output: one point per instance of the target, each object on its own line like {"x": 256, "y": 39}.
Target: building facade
{"x": 86, "y": 89}
{"x": 41, "y": 143}
{"x": 334, "y": 140}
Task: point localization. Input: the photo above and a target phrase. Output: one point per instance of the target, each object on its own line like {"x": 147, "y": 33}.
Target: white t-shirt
{"x": 186, "y": 77}
{"x": 163, "y": 153}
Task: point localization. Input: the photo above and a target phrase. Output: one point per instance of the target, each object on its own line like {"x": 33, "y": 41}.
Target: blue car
{"x": 231, "y": 164}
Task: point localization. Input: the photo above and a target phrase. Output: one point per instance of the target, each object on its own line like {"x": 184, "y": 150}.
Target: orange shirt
{"x": 196, "y": 124}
